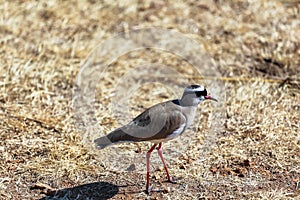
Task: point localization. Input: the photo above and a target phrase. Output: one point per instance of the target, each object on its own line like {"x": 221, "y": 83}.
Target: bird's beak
{"x": 211, "y": 98}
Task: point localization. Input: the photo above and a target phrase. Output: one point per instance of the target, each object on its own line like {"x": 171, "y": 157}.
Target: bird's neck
{"x": 186, "y": 101}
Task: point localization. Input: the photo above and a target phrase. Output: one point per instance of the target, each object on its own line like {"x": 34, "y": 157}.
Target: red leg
{"x": 148, "y": 168}
{"x": 170, "y": 178}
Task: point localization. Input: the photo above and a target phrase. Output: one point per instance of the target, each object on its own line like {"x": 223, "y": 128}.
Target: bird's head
{"x": 195, "y": 94}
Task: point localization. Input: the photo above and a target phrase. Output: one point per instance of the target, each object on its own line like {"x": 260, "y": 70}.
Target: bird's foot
{"x": 148, "y": 190}
{"x": 171, "y": 179}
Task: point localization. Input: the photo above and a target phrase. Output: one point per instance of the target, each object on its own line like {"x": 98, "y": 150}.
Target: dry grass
{"x": 255, "y": 154}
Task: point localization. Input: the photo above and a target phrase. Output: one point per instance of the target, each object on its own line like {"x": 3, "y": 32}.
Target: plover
{"x": 159, "y": 123}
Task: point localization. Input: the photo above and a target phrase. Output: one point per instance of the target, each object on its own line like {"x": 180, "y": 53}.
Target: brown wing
{"x": 157, "y": 122}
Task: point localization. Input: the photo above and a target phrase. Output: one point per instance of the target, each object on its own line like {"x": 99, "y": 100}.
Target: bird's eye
{"x": 201, "y": 93}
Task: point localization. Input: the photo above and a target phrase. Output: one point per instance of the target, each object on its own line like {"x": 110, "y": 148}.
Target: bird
{"x": 158, "y": 124}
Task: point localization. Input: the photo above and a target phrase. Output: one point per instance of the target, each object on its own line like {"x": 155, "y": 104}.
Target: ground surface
{"x": 252, "y": 152}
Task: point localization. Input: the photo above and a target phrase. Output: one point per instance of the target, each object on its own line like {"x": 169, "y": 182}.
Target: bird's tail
{"x": 102, "y": 142}
{"x": 115, "y": 137}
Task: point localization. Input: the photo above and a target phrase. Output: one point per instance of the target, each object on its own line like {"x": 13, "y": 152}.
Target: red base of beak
{"x": 211, "y": 98}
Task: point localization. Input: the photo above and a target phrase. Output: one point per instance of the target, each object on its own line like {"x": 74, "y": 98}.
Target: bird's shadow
{"x": 96, "y": 190}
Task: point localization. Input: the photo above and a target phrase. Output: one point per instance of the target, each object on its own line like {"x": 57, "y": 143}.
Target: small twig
{"x": 41, "y": 123}
{"x": 232, "y": 79}
{"x": 46, "y": 189}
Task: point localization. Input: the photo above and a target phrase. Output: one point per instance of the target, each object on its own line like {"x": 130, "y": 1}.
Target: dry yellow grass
{"x": 255, "y": 154}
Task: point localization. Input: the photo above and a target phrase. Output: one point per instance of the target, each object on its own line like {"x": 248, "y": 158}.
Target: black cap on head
{"x": 194, "y": 86}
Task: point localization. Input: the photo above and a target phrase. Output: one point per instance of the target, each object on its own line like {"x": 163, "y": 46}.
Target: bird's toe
{"x": 148, "y": 190}
{"x": 173, "y": 180}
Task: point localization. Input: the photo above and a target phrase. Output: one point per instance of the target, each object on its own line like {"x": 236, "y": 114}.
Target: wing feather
{"x": 160, "y": 122}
